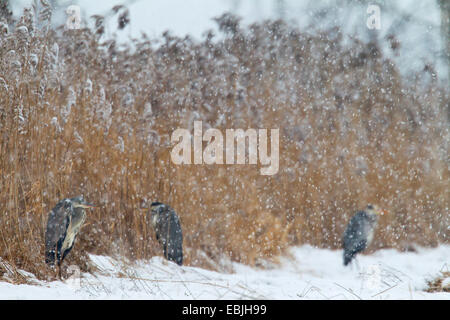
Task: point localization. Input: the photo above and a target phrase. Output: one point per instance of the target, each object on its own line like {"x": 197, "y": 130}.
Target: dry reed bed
{"x": 81, "y": 116}
{"x": 437, "y": 284}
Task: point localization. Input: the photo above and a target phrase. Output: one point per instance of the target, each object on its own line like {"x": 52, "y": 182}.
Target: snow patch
{"x": 305, "y": 273}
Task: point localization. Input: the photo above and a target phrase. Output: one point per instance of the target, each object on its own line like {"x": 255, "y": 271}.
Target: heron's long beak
{"x": 87, "y": 205}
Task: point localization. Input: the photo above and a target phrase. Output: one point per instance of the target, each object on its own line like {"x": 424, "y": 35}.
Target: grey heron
{"x": 168, "y": 231}
{"x": 359, "y": 232}
{"x": 63, "y": 224}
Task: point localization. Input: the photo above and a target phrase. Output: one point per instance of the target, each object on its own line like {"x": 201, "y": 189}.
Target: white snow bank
{"x": 309, "y": 273}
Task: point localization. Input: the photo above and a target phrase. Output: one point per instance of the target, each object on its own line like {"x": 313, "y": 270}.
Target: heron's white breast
{"x": 155, "y": 219}
{"x": 72, "y": 232}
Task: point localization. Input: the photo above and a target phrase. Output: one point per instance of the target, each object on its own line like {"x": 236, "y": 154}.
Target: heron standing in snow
{"x": 359, "y": 232}
{"x": 168, "y": 231}
{"x": 63, "y": 224}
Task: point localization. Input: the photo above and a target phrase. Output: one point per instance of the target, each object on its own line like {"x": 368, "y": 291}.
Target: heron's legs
{"x": 59, "y": 271}
{"x": 354, "y": 265}
{"x": 357, "y": 264}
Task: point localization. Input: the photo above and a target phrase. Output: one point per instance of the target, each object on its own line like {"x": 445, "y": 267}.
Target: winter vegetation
{"x": 80, "y": 114}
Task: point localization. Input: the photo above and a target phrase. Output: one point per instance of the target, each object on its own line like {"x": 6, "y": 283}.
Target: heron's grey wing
{"x": 350, "y": 232}
{"x": 354, "y": 240}
{"x": 57, "y": 224}
{"x": 175, "y": 243}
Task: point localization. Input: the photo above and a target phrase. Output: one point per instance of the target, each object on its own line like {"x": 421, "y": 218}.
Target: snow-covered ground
{"x": 306, "y": 273}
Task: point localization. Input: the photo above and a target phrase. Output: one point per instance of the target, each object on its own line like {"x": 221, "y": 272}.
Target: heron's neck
{"x": 78, "y": 216}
